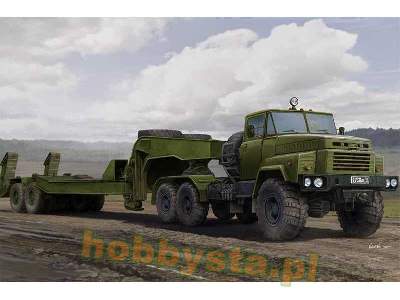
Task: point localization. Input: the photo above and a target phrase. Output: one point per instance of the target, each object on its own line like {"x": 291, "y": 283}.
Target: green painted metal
{"x": 8, "y": 167}
{"x": 159, "y": 157}
{"x": 291, "y": 155}
{"x": 51, "y": 164}
{"x": 71, "y": 185}
{"x": 115, "y": 170}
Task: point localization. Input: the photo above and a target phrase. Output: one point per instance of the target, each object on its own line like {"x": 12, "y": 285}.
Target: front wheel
{"x": 364, "y": 219}
{"x": 190, "y": 210}
{"x": 281, "y": 212}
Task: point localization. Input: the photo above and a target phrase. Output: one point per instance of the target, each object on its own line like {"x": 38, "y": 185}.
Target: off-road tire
{"x": 197, "y": 136}
{"x": 36, "y": 201}
{"x": 96, "y": 202}
{"x": 79, "y": 203}
{"x": 166, "y": 202}
{"x": 160, "y": 133}
{"x": 281, "y": 212}
{"x": 17, "y": 201}
{"x": 189, "y": 209}
{"x": 221, "y": 210}
{"x": 247, "y": 216}
{"x": 230, "y": 158}
{"x": 364, "y": 220}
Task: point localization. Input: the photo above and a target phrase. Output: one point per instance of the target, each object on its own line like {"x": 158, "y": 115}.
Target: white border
{"x": 197, "y": 291}
{"x": 201, "y": 8}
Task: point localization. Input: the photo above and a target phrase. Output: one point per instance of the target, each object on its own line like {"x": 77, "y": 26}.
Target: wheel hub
{"x": 165, "y": 203}
{"x": 187, "y": 205}
{"x": 272, "y": 210}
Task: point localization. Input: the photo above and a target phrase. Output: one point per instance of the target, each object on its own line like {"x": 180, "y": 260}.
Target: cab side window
{"x": 255, "y": 127}
{"x": 270, "y": 126}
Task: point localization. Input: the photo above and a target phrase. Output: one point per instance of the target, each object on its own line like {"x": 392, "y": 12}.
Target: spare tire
{"x": 197, "y": 136}
{"x": 160, "y": 133}
{"x": 230, "y": 158}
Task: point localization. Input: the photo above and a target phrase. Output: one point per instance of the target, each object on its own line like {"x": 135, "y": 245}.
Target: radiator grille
{"x": 350, "y": 161}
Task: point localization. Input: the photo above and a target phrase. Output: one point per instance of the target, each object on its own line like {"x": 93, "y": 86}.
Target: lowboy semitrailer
{"x": 285, "y": 166}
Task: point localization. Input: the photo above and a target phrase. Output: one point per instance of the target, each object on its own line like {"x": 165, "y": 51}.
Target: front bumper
{"x": 332, "y": 182}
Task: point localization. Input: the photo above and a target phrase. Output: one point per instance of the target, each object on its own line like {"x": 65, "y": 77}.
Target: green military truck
{"x": 285, "y": 166}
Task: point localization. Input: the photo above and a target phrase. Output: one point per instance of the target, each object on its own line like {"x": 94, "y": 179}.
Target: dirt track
{"x": 49, "y": 247}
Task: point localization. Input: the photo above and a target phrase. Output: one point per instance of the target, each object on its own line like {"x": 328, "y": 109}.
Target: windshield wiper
{"x": 322, "y": 130}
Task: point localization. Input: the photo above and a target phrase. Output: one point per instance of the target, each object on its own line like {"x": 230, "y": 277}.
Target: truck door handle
{"x": 244, "y": 145}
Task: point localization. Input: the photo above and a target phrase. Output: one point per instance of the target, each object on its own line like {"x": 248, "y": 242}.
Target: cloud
{"x": 211, "y": 86}
{"x": 38, "y": 89}
{"x": 44, "y": 38}
{"x": 208, "y": 87}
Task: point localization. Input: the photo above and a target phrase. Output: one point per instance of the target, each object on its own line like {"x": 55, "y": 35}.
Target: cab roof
{"x": 287, "y": 110}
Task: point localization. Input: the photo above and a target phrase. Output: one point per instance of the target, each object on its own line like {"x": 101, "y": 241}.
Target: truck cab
{"x": 297, "y": 164}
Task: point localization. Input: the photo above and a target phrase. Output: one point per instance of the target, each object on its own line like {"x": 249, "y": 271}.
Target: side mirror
{"x": 341, "y": 130}
{"x": 250, "y": 130}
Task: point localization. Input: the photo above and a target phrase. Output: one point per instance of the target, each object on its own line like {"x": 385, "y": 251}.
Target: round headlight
{"x": 318, "y": 182}
{"x": 387, "y": 182}
{"x": 393, "y": 182}
{"x": 307, "y": 182}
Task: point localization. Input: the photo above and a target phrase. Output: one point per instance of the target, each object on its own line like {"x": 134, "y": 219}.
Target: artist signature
{"x": 378, "y": 246}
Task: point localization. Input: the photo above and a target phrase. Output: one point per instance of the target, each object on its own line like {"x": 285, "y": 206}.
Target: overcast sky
{"x": 103, "y": 79}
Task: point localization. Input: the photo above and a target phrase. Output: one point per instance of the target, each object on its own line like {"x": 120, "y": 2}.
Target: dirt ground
{"x": 49, "y": 248}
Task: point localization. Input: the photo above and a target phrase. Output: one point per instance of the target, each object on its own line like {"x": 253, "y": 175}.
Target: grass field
{"x": 392, "y": 207}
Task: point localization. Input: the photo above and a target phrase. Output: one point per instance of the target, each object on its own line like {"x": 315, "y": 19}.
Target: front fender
{"x": 273, "y": 171}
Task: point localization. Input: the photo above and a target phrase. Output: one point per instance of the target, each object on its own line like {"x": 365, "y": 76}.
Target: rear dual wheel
{"x": 189, "y": 209}
{"x": 182, "y": 204}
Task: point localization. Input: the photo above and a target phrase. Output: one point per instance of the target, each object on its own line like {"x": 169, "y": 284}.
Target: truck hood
{"x": 290, "y": 143}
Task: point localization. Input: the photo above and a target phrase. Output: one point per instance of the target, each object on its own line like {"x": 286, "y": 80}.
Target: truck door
{"x": 269, "y": 140}
{"x": 251, "y": 148}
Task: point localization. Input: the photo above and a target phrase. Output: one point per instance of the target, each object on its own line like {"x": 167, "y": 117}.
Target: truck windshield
{"x": 320, "y": 123}
{"x": 289, "y": 122}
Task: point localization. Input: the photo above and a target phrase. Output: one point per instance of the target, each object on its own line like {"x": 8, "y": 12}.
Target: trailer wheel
{"x": 17, "y": 201}
{"x": 79, "y": 203}
{"x": 281, "y": 212}
{"x": 96, "y": 203}
{"x": 364, "y": 220}
{"x": 35, "y": 200}
{"x": 190, "y": 210}
{"x": 221, "y": 210}
{"x": 166, "y": 202}
{"x": 247, "y": 216}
